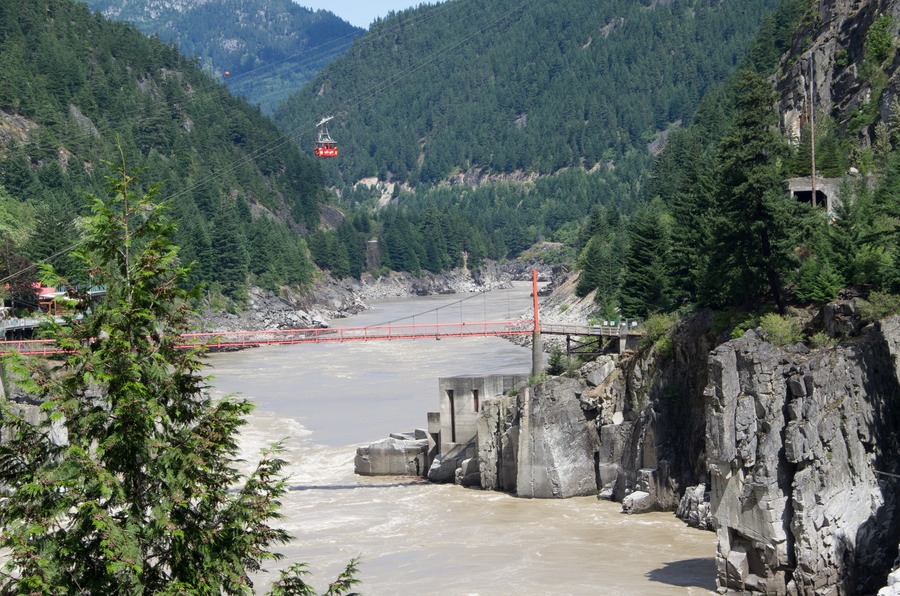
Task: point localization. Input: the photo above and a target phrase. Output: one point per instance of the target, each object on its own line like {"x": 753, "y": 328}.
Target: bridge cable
{"x": 480, "y": 294}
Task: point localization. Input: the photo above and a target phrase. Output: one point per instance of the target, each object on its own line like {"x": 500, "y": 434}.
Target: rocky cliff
{"x": 801, "y": 447}
{"x": 628, "y": 428}
{"x": 829, "y": 51}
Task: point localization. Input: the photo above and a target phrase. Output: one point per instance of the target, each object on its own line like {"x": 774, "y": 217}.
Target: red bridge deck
{"x": 238, "y": 339}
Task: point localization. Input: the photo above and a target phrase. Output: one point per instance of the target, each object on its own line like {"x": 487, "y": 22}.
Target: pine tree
{"x": 128, "y": 484}
{"x": 752, "y": 249}
{"x": 647, "y": 278}
{"x": 230, "y": 254}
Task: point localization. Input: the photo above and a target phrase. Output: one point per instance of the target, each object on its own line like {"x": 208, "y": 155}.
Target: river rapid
{"x": 413, "y": 537}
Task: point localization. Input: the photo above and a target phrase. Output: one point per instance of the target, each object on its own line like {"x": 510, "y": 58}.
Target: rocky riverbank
{"x": 328, "y": 298}
{"x": 790, "y": 453}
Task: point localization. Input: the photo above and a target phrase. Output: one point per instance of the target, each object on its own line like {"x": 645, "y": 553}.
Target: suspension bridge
{"x": 579, "y": 339}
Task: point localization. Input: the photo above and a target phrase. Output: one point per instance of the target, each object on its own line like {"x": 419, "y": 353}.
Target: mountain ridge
{"x": 268, "y": 47}
{"x": 519, "y": 85}
{"x": 78, "y": 92}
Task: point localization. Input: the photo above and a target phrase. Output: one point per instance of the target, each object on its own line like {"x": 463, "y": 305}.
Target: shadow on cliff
{"x": 876, "y": 539}
{"x": 690, "y": 573}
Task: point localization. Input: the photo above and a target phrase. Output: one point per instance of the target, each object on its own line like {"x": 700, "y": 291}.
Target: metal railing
{"x": 243, "y": 339}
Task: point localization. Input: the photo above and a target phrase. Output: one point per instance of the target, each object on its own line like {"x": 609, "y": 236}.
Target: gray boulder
{"x": 637, "y": 502}
{"x": 468, "y": 473}
{"x": 443, "y": 468}
{"x": 557, "y": 443}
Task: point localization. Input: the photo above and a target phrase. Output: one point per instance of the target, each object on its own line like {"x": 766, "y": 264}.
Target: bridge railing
{"x": 347, "y": 334}
{"x": 243, "y": 339}
{"x": 621, "y": 330}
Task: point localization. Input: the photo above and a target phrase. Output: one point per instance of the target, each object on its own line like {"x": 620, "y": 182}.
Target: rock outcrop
{"x": 800, "y": 448}
{"x": 829, "y": 50}
{"x": 629, "y": 428}
{"x": 539, "y": 444}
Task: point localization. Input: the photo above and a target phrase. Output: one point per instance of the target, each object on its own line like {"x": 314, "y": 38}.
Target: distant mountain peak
{"x": 274, "y": 45}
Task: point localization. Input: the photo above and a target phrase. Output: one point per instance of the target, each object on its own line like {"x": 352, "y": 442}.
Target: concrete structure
{"x": 826, "y": 191}
{"x": 461, "y": 399}
{"x": 394, "y": 456}
{"x": 440, "y": 450}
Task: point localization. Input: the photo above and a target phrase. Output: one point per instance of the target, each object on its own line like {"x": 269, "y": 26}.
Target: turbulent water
{"x": 418, "y": 538}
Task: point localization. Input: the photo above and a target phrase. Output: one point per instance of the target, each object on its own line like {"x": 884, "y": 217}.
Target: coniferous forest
{"x": 499, "y": 127}
{"x": 74, "y": 88}
{"x": 520, "y": 86}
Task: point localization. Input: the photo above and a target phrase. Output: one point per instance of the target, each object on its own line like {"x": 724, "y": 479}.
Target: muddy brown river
{"x": 414, "y": 537}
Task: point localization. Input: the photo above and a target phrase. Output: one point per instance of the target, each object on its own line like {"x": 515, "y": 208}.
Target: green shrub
{"x": 555, "y": 365}
{"x": 780, "y": 330}
{"x": 879, "y": 42}
{"x": 560, "y": 363}
{"x": 842, "y": 57}
{"x": 734, "y": 321}
{"x": 659, "y": 332}
{"x": 878, "y": 306}
{"x": 821, "y": 340}
{"x": 819, "y": 281}
{"x": 535, "y": 379}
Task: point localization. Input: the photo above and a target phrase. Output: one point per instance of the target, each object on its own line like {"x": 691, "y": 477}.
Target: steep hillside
{"x": 520, "y": 85}
{"x": 848, "y": 54}
{"x": 268, "y": 47}
{"x": 77, "y": 91}
{"x": 722, "y": 230}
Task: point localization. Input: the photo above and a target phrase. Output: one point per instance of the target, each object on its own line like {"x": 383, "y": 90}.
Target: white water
{"x": 418, "y": 538}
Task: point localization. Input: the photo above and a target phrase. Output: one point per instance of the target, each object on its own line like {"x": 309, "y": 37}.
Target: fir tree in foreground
{"x": 129, "y": 484}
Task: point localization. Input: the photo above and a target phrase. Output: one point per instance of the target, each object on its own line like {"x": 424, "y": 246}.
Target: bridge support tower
{"x": 537, "y": 345}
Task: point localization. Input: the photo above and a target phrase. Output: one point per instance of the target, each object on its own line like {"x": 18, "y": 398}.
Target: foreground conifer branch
{"x": 127, "y": 484}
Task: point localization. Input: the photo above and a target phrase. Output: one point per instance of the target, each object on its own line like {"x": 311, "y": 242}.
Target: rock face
{"x": 694, "y": 508}
{"x": 556, "y": 443}
{"x": 539, "y": 444}
{"x": 796, "y": 446}
{"x": 629, "y": 424}
{"x": 829, "y": 50}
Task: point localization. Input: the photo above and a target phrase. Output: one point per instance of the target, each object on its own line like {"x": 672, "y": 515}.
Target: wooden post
{"x": 812, "y": 123}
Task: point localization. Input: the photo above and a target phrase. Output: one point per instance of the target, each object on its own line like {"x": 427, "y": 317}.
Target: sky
{"x": 362, "y": 12}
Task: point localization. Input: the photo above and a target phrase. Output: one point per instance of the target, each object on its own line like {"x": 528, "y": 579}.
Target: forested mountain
{"x": 717, "y": 227}
{"x": 77, "y": 91}
{"x": 520, "y": 85}
{"x": 268, "y": 47}
{"x": 512, "y": 119}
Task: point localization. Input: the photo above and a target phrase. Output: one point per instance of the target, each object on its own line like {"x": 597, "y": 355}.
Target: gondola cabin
{"x": 325, "y": 146}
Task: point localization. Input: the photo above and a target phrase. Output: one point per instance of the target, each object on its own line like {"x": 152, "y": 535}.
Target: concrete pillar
{"x": 524, "y": 471}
